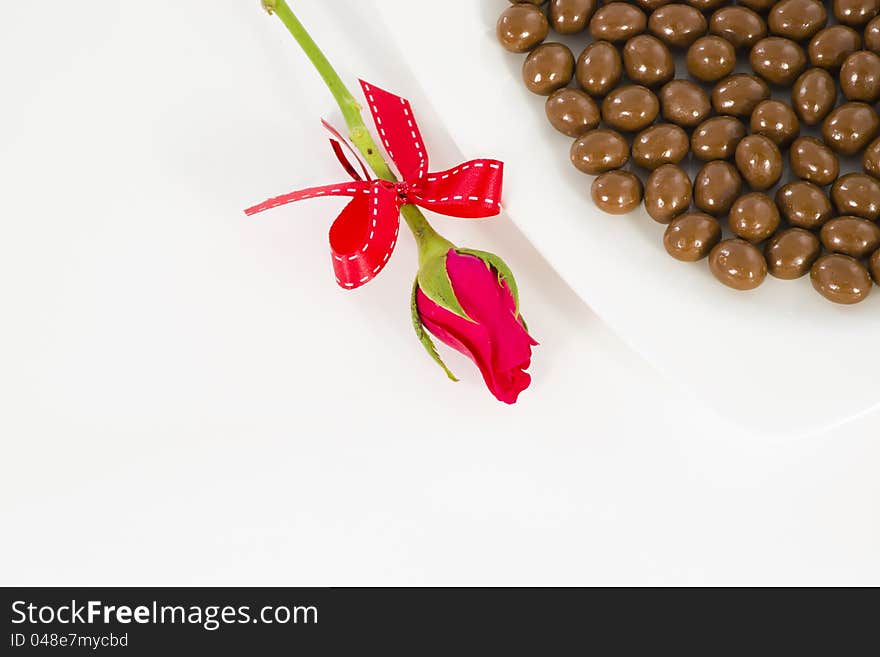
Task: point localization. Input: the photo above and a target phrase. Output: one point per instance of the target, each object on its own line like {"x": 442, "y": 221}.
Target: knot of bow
{"x": 364, "y": 234}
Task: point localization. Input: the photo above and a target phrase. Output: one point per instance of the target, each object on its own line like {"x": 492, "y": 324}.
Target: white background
{"x": 188, "y": 398}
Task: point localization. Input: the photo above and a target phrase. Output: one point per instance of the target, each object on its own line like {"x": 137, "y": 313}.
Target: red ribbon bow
{"x": 365, "y": 232}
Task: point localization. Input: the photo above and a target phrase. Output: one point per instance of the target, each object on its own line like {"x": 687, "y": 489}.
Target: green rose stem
{"x": 430, "y": 243}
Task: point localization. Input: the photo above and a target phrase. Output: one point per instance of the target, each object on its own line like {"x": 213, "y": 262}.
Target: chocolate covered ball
{"x": 857, "y": 194}
{"x": 841, "y": 279}
{"x": 691, "y": 236}
{"x": 739, "y": 25}
{"x": 522, "y": 27}
{"x": 855, "y": 12}
{"x": 717, "y": 138}
{"x": 599, "y": 68}
{"x": 710, "y": 58}
{"x": 648, "y": 61}
{"x": 548, "y": 67}
{"x": 716, "y": 187}
{"x": 668, "y": 193}
{"x": 797, "y": 19}
{"x": 875, "y": 266}
{"x": 599, "y": 151}
{"x": 572, "y": 112}
{"x": 570, "y": 16}
{"x": 684, "y": 103}
{"x": 803, "y": 204}
{"x": 832, "y": 45}
{"x": 664, "y": 143}
{"x": 849, "y": 128}
{"x": 778, "y": 60}
{"x": 871, "y": 158}
{"x": 759, "y": 161}
{"x": 739, "y": 94}
{"x": 776, "y": 121}
{"x": 812, "y": 160}
{"x": 754, "y": 217}
{"x": 872, "y": 35}
{"x": 617, "y": 21}
{"x": 738, "y": 264}
{"x": 860, "y": 76}
{"x": 617, "y": 192}
{"x": 677, "y": 25}
{"x": 853, "y": 236}
{"x": 630, "y": 108}
{"x": 813, "y": 95}
{"x": 791, "y": 253}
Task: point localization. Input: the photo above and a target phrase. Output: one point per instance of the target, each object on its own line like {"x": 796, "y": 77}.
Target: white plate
{"x": 780, "y": 358}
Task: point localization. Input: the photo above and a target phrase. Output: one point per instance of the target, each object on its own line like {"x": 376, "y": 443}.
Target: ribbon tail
{"x": 364, "y": 235}
{"x": 345, "y": 189}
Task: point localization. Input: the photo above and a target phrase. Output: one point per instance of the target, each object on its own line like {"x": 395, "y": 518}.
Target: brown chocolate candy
{"x": 617, "y": 21}
{"x": 716, "y": 138}
{"x": 754, "y": 217}
{"x": 812, "y": 160}
{"x": 664, "y": 143}
{"x": 648, "y": 61}
{"x": 677, "y": 25}
{"x": 617, "y": 192}
{"x": 797, "y": 19}
{"x": 803, "y": 204}
{"x": 571, "y": 16}
{"x": 710, "y": 58}
{"x": 668, "y": 193}
{"x": 684, "y": 103}
{"x": 791, "y": 253}
{"x": 739, "y": 94}
{"x": 841, "y": 279}
{"x": 630, "y": 108}
{"x": 850, "y": 127}
{"x": 599, "y": 151}
{"x": 759, "y": 161}
{"x": 572, "y": 112}
{"x": 813, "y": 95}
{"x": 778, "y": 60}
{"x": 872, "y": 35}
{"x": 548, "y": 67}
{"x": 738, "y": 264}
{"x": 716, "y": 187}
{"x": 776, "y": 121}
{"x": 739, "y": 25}
{"x": 875, "y": 266}
{"x": 691, "y": 236}
{"x": 537, "y": 3}
{"x": 832, "y": 45}
{"x": 871, "y": 158}
{"x": 521, "y": 27}
{"x": 857, "y": 194}
{"x": 599, "y": 68}
{"x": 855, "y": 12}
{"x": 860, "y": 76}
{"x": 853, "y": 236}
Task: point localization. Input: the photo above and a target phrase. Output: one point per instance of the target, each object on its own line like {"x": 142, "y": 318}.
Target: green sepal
{"x": 434, "y": 281}
{"x": 423, "y": 335}
{"x": 504, "y": 273}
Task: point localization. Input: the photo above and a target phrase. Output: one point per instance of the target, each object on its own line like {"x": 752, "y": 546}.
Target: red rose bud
{"x": 468, "y": 300}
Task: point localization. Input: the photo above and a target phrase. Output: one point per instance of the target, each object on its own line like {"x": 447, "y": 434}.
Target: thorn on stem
{"x": 269, "y": 6}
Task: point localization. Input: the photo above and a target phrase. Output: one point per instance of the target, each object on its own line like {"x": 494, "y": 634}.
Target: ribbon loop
{"x": 363, "y": 236}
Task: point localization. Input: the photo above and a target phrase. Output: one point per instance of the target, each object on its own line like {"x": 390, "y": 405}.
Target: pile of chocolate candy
{"x": 637, "y": 123}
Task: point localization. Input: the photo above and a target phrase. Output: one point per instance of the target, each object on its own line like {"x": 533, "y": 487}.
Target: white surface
{"x": 173, "y": 375}
{"x": 781, "y": 358}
